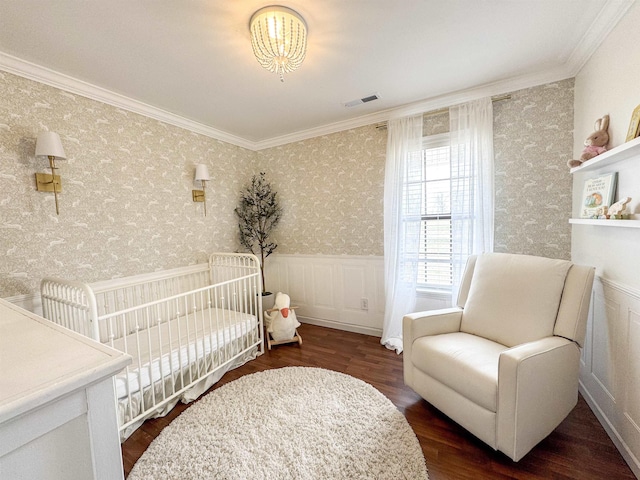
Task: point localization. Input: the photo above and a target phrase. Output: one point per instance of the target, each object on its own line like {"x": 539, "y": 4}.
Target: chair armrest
{"x": 422, "y": 324}
{"x": 433, "y": 322}
{"x": 534, "y": 378}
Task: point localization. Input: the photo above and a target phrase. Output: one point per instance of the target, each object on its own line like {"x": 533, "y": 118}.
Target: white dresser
{"x": 57, "y": 407}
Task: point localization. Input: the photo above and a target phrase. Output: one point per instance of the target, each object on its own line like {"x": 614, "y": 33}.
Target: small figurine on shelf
{"x": 618, "y": 210}
{"x": 602, "y": 213}
{"x": 595, "y": 144}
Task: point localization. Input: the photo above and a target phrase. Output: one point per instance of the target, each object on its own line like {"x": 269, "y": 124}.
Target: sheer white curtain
{"x": 402, "y": 209}
{"x": 471, "y": 137}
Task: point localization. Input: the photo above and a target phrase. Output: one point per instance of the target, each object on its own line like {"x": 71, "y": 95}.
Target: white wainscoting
{"x": 610, "y": 366}
{"x": 329, "y": 289}
{"x": 30, "y": 302}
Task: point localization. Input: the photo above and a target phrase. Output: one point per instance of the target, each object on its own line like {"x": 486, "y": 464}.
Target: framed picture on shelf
{"x": 634, "y": 125}
{"x": 597, "y": 194}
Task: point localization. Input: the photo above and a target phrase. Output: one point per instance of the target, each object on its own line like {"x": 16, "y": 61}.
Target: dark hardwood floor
{"x": 578, "y": 449}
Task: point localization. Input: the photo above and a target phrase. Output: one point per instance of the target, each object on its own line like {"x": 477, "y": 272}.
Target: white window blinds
{"x": 430, "y": 177}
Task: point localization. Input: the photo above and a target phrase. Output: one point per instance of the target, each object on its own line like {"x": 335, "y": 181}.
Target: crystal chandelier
{"x": 279, "y": 39}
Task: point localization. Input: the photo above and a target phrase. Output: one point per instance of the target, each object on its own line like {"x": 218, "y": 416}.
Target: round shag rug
{"x": 287, "y": 423}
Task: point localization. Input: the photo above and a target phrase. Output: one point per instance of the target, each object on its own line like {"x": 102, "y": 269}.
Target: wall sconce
{"x": 202, "y": 176}
{"x": 48, "y": 145}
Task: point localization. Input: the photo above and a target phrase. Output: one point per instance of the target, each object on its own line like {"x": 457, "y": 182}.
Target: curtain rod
{"x": 432, "y": 113}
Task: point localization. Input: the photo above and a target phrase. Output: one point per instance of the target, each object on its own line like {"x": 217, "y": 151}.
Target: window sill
{"x": 433, "y": 294}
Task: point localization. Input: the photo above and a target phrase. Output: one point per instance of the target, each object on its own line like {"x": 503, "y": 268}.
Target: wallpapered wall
{"x": 329, "y": 212}
{"x": 331, "y": 188}
{"x": 533, "y": 139}
{"x": 126, "y": 204}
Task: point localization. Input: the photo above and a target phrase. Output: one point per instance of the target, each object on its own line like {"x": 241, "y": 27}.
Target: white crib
{"x": 183, "y": 327}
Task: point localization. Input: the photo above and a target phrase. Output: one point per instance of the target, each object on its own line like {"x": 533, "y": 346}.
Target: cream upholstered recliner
{"x": 504, "y": 363}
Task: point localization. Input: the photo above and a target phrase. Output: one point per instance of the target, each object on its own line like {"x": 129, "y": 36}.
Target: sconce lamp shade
{"x": 202, "y": 172}
{"x": 48, "y": 144}
{"x": 202, "y": 176}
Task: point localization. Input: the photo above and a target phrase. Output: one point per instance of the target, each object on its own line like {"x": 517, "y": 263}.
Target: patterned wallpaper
{"x": 331, "y": 189}
{"x": 533, "y": 140}
{"x": 435, "y": 123}
{"x": 126, "y": 204}
{"x": 327, "y": 210}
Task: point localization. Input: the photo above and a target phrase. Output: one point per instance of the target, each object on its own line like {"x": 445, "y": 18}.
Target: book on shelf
{"x": 598, "y": 195}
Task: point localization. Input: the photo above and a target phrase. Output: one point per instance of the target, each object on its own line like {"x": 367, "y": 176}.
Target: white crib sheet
{"x": 159, "y": 353}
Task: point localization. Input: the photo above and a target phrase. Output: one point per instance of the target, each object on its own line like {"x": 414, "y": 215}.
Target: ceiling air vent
{"x": 369, "y": 98}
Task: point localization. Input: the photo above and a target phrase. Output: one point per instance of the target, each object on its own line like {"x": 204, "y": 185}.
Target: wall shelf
{"x": 605, "y": 223}
{"x": 622, "y": 152}
{"x": 617, "y": 154}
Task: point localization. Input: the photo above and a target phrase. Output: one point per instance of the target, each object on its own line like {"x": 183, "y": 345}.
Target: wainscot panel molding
{"x": 345, "y": 292}
{"x": 31, "y": 302}
{"x": 610, "y": 365}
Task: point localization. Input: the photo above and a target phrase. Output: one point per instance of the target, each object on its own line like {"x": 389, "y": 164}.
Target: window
{"x": 431, "y": 176}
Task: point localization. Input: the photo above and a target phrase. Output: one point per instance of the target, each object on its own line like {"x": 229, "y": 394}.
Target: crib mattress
{"x": 180, "y": 346}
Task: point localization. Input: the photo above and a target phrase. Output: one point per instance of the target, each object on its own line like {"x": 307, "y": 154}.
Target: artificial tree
{"x": 258, "y": 214}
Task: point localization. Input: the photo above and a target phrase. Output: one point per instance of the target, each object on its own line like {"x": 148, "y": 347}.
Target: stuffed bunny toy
{"x": 595, "y": 144}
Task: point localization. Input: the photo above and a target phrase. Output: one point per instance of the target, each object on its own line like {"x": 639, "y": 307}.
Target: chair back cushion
{"x": 574, "y": 307}
{"x": 465, "y": 284}
{"x": 514, "y": 299}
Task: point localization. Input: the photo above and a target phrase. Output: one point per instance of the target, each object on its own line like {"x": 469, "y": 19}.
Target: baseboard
{"x": 347, "y": 327}
{"x": 620, "y": 444}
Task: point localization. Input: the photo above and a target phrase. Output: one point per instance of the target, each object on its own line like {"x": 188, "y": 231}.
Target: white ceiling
{"x": 190, "y": 62}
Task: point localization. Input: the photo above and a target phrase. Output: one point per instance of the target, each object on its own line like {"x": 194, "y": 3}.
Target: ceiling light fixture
{"x": 279, "y": 39}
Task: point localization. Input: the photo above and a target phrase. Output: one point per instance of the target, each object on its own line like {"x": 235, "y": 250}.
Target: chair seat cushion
{"x": 463, "y": 362}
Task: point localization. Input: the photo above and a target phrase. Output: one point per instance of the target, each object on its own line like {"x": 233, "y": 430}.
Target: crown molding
{"x": 607, "y": 19}
{"x": 422, "y": 106}
{"x": 609, "y": 16}
{"x": 64, "y": 82}
{"x": 55, "y": 79}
